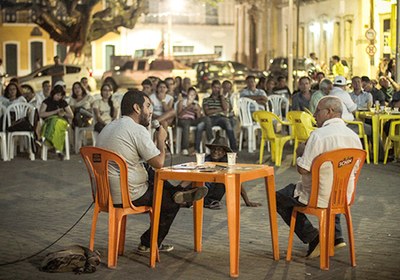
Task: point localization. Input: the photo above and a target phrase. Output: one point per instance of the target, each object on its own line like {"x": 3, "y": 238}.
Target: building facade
{"x": 361, "y": 32}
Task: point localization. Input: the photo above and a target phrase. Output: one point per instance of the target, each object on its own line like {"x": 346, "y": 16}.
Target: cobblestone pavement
{"x": 41, "y": 200}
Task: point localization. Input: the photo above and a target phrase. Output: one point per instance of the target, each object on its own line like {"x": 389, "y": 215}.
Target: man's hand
{"x": 161, "y": 135}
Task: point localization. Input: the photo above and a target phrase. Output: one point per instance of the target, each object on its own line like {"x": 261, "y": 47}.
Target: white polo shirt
{"x": 334, "y": 134}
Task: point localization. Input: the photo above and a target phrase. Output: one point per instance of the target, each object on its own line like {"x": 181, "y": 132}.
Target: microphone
{"x": 155, "y": 124}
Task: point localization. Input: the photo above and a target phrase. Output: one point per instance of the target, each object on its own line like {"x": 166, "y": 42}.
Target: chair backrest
{"x": 302, "y": 125}
{"x": 18, "y": 111}
{"x": 3, "y": 110}
{"x": 245, "y": 105}
{"x": 345, "y": 163}
{"x": 97, "y": 161}
{"x": 278, "y": 104}
{"x": 393, "y": 132}
{"x": 266, "y": 121}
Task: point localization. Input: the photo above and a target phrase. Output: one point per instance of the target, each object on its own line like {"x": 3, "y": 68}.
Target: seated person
{"x": 190, "y": 114}
{"x": 105, "y": 109}
{"x": 216, "y": 107}
{"x": 360, "y": 97}
{"x": 129, "y": 137}
{"x": 81, "y": 104}
{"x": 254, "y": 93}
{"x": 163, "y": 103}
{"x": 56, "y": 114}
{"x": 332, "y": 133}
{"x": 216, "y": 191}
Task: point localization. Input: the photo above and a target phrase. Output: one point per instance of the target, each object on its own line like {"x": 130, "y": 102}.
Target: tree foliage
{"x": 76, "y": 23}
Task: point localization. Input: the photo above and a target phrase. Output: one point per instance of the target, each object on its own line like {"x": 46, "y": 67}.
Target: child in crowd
{"x": 218, "y": 153}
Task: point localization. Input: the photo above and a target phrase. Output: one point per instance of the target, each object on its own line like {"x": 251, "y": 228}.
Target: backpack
{"x": 74, "y": 258}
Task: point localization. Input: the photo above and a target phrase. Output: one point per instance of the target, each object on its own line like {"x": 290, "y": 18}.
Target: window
{"x": 211, "y": 14}
{"x": 161, "y": 65}
{"x": 72, "y": 69}
{"x": 128, "y": 65}
{"x": 183, "y": 49}
{"x": 141, "y": 65}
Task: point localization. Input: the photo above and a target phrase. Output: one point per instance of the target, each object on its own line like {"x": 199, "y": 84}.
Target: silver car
{"x": 73, "y": 73}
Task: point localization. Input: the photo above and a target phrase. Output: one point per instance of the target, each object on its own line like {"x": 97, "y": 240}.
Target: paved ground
{"x": 41, "y": 200}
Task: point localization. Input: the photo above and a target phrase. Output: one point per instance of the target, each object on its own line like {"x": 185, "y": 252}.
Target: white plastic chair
{"x": 247, "y": 123}
{"x": 45, "y": 148}
{"x": 276, "y": 103}
{"x": 20, "y": 110}
{"x": 3, "y": 134}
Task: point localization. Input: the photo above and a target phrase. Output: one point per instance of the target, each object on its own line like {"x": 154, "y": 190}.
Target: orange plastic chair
{"x": 97, "y": 161}
{"x": 267, "y": 121}
{"x": 393, "y": 139}
{"x": 302, "y": 126}
{"x": 343, "y": 161}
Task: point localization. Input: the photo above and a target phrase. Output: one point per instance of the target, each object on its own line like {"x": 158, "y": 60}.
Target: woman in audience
{"x": 163, "y": 110}
{"x": 81, "y": 105}
{"x": 104, "y": 109}
{"x": 12, "y": 94}
{"x": 190, "y": 114}
{"x": 56, "y": 114}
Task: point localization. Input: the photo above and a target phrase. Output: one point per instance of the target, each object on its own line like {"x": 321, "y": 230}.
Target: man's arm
{"x": 158, "y": 161}
{"x": 299, "y": 153}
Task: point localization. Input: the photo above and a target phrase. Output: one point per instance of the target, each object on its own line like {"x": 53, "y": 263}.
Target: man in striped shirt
{"x": 216, "y": 107}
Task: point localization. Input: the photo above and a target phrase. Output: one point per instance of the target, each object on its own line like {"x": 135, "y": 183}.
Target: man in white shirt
{"x": 129, "y": 137}
{"x": 339, "y": 85}
{"x": 332, "y": 134}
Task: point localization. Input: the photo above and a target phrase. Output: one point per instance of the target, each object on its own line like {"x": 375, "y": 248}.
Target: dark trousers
{"x": 225, "y": 124}
{"x": 303, "y": 228}
{"x": 201, "y": 124}
{"x": 169, "y": 209}
{"x": 216, "y": 192}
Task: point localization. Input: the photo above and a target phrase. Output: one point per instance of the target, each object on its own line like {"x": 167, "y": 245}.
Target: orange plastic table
{"x": 376, "y": 121}
{"x": 232, "y": 177}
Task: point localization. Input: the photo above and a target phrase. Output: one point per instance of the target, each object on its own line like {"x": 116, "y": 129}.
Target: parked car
{"x": 133, "y": 72}
{"x": 73, "y": 73}
{"x": 279, "y": 67}
{"x": 236, "y": 72}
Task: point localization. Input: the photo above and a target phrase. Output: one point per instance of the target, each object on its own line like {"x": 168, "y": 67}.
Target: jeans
{"x": 169, "y": 209}
{"x": 225, "y": 124}
{"x": 303, "y": 228}
{"x": 201, "y": 124}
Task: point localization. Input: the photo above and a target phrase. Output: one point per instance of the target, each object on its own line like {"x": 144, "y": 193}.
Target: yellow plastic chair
{"x": 302, "y": 126}
{"x": 362, "y": 135}
{"x": 267, "y": 121}
{"x": 393, "y": 140}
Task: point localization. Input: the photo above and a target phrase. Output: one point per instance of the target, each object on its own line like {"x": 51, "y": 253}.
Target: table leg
{"x": 273, "y": 221}
{"x": 198, "y": 221}
{"x": 157, "y": 198}
{"x": 375, "y": 137}
{"x": 232, "y": 188}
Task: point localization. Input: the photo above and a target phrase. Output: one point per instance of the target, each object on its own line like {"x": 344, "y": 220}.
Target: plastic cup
{"x": 200, "y": 158}
{"x": 396, "y": 109}
{"x": 231, "y": 158}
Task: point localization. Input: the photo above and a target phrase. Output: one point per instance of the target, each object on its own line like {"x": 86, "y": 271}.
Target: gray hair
{"x": 332, "y": 102}
{"x": 324, "y": 84}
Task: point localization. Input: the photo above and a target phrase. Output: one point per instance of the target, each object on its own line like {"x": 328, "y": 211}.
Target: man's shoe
{"x": 313, "y": 248}
{"x": 162, "y": 248}
{"x": 339, "y": 243}
{"x": 190, "y": 195}
{"x": 185, "y": 152}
